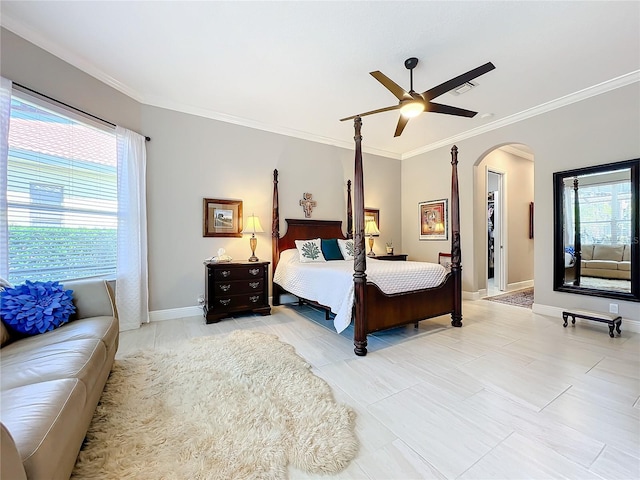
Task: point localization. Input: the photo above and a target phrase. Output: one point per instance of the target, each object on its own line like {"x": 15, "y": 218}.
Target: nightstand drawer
{"x": 235, "y": 287}
{"x": 233, "y": 272}
{"x": 236, "y": 302}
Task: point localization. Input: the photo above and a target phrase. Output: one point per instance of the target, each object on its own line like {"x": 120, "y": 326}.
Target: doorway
{"x": 496, "y": 227}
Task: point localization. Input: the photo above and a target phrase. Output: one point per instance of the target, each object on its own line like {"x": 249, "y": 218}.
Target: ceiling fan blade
{"x": 439, "y": 108}
{"x": 386, "y": 109}
{"x": 402, "y": 122}
{"x": 457, "y": 81}
{"x": 390, "y": 85}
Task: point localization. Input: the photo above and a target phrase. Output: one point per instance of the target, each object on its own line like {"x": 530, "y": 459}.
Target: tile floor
{"x": 511, "y": 395}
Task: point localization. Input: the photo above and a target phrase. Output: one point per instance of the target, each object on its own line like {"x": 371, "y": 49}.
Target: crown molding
{"x": 81, "y": 63}
{"x": 86, "y": 66}
{"x": 244, "y": 122}
{"x": 614, "y": 83}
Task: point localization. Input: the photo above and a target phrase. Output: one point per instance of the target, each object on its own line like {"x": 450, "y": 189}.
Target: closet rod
{"x": 148, "y": 139}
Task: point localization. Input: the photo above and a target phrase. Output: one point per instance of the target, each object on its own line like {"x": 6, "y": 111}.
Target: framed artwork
{"x": 434, "y": 222}
{"x": 372, "y": 214}
{"x": 222, "y": 218}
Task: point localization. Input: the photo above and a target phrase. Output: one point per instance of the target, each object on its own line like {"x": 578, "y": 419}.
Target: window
{"x": 605, "y": 213}
{"x": 61, "y": 195}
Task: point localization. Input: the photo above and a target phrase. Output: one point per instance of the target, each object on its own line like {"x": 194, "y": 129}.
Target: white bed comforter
{"x": 331, "y": 283}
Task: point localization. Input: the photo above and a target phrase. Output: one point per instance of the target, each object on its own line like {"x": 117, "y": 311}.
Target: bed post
{"x": 349, "y": 211}
{"x": 577, "y": 245}
{"x": 360, "y": 260}
{"x": 275, "y": 236}
{"x": 456, "y": 267}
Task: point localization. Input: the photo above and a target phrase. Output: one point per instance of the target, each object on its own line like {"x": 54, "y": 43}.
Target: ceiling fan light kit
{"x": 412, "y": 104}
{"x": 412, "y": 108}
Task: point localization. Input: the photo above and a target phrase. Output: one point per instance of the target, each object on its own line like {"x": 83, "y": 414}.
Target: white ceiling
{"x": 297, "y": 67}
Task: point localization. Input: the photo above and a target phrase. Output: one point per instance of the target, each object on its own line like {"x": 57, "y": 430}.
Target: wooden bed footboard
{"x": 390, "y": 311}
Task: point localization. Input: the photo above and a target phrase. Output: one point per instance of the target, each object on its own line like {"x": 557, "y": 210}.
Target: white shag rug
{"x": 243, "y": 406}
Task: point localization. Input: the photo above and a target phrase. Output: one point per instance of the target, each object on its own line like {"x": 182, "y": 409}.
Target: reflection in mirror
{"x": 596, "y": 231}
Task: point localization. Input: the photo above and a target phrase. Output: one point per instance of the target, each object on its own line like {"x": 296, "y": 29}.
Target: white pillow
{"x": 346, "y": 248}
{"x": 310, "y": 250}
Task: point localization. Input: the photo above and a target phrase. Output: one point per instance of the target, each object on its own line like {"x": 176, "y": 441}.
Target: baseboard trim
{"x": 473, "y": 295}
{"x": 550, "y": 311}
{"x": 171, "y": 313}
{"x": 519, "y": 285}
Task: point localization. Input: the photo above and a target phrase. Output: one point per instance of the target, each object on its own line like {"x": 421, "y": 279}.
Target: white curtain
{"x": 132, "y": 293}
{"x": 5, "y": 114}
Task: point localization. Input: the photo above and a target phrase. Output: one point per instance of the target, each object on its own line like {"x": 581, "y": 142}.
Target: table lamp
{"x": 371, "y": 229}
{"x": 252, "y": 226}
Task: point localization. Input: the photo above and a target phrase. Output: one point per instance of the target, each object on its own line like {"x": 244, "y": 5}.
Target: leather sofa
{"x": 606, "y": 261}
{"x": 51, "y": 384}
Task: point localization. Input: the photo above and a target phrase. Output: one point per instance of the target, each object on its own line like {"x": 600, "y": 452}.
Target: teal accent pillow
{"x": 330, "y": 249}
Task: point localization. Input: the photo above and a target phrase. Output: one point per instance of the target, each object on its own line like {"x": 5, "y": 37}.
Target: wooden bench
{"x": 611, "y": 319}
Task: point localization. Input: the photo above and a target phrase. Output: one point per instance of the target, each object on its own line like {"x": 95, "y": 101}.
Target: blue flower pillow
{"x": 36, "y": 307}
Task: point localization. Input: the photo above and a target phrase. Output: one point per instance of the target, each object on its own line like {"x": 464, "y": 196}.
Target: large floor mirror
{"x": 597, "y": 232}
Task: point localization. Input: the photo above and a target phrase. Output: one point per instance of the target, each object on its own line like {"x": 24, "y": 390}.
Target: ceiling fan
{"x": 413, "y": 104}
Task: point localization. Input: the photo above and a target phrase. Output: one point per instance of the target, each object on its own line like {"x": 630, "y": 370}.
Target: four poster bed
{"x": 371, "y": 308}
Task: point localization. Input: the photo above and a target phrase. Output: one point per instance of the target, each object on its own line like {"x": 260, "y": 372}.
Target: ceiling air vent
{"x": 464, "y": 88}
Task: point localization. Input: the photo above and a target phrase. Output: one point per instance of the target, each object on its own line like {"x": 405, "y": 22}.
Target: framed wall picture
{"x": 372, "y": 214}
{"x": 222, "y": 218}
{"x": 434, "y": 222}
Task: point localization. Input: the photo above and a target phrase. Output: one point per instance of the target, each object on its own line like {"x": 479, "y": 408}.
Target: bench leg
{"x": 611, "y": 330}
{"x": 618, "y": 325}
{"x": 565, "y": 318}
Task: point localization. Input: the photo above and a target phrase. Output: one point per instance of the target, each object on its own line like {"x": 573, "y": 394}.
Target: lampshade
{"x": 412, "y": 108}
{"x": 371, "y": 228}
{"x": 252, "y": 225}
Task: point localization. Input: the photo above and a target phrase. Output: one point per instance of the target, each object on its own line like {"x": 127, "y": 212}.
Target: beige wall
{"x": 597, "y": 130}
{"x": 192, "y": 157}
{"x": 519, "y": 193}
{"x": 29, "y": 65}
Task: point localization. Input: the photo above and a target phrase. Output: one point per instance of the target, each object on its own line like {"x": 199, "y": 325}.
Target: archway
{"x": 503, "y": 195}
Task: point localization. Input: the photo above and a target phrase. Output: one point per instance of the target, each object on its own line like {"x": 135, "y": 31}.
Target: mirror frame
{"x": 558, "y": 237}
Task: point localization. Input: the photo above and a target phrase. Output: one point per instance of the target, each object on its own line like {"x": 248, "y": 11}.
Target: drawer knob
{"x": 225, "y": 301}
{"x": 254, "y": 271}
{"x": 254, "y": 298}
{"x": 254, "y": 284}
{"x": 225, "y": 273}
{"x": 225, "y": 288}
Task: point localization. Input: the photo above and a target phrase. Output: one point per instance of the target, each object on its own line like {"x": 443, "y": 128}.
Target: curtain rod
{"x": 148, "y": 139}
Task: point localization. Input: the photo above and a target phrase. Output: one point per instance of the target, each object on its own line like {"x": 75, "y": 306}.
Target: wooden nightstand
{"x": 233, "y": 287}
{"x": 398, "y": 257}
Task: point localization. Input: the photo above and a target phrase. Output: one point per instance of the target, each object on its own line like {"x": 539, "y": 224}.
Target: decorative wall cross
{"x": 307, "y": 204}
